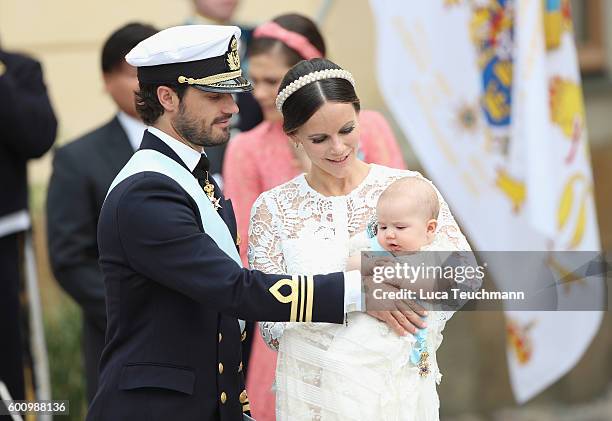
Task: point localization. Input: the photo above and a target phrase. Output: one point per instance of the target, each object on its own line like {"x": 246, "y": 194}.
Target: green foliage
{"x": 63, "y": 335}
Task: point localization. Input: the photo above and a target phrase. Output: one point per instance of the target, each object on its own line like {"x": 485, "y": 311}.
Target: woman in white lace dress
{"x": 304, "y": 226}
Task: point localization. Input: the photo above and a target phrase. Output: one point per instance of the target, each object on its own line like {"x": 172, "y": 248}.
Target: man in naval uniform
{"x": 175, "y": 287}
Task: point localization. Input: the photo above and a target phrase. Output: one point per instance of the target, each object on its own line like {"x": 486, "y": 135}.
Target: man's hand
{"x": 402, "y": 323}
{"x": 400, "y": 314}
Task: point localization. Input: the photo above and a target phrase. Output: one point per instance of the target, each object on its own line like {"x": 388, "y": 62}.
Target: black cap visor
{"x": 237, "y": 85}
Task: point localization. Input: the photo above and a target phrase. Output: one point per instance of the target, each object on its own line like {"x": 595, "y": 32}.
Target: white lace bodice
{"x": 296, "y": 230}
{"x": 289, "y": 219}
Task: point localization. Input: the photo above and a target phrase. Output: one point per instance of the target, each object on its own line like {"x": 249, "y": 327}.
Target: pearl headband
{"x": 309, "y": 78}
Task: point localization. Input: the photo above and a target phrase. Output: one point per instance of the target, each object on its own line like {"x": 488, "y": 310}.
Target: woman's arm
{"x": 264, "y": 253}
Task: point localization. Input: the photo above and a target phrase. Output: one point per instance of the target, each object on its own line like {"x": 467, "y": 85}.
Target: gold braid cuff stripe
{"x": 210, "y": 80}
{"x": 309, "y": 298}
{"x": 300, "y": 296}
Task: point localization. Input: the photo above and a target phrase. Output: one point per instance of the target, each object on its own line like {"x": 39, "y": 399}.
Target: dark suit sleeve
{"x": 162, "y": 240}
{"x": 25, "y": 110}
{"x": 71, "y": 234}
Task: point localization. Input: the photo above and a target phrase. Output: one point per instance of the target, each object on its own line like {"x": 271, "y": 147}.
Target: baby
{"x": 406, "y": 220}
{"x": 406, "y": 213}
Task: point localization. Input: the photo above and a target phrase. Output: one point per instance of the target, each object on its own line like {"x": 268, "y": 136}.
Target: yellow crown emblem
{"x": 233, "y": 58}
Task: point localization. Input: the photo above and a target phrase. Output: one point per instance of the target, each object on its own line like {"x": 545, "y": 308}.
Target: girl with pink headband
{"x": 264, "y": 157}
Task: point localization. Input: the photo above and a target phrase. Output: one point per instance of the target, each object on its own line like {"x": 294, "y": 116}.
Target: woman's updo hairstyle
{"x": 295, "y": 23}
{"x": 303, "y": 103}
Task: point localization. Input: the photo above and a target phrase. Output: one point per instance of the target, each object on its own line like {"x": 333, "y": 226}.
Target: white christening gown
{"x": 328, "y": 371}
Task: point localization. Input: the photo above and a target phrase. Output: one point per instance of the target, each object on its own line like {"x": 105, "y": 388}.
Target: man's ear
{"x": 168, "y": 98}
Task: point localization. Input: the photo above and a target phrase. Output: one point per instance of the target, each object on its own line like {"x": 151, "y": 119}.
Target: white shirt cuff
{"x": 352, "y": 291}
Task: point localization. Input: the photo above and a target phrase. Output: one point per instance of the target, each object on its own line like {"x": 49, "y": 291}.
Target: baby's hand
{"x": 354, "y": 262}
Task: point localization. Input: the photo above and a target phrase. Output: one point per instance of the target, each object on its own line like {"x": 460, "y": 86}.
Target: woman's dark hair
{"x": 147, "y": 104}
{"x": 303, "y": 103}
{"x": 121, "y": 42}
{"x": 295, "y": 23}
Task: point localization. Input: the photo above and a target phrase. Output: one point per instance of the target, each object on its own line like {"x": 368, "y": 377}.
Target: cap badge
{"x": 233, "y": 58}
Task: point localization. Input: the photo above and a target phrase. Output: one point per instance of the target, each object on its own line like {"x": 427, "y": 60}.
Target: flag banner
{"x": 488, "y": 93}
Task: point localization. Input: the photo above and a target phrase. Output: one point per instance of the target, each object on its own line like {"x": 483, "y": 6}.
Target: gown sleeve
{"x": 265, "y": 254}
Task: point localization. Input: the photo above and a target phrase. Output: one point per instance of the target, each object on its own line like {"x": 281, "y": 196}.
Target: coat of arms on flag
{"x": 493, "y": 108}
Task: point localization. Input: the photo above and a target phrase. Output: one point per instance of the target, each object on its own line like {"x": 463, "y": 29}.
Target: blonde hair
{"x": 420, "y": 192}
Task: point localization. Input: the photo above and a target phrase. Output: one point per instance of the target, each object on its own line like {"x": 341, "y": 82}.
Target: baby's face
{"x": 402, "y": 229}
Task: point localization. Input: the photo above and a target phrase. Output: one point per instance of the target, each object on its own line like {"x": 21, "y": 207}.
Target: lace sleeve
{"x": 264, "y": 254}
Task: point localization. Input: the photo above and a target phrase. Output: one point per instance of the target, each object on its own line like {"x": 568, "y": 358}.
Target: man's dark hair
{"x": 295, "y": 23}
{"x": 147, "y": 104}
{"x": 121, "y": 42}
{"x": 303, "y": 103}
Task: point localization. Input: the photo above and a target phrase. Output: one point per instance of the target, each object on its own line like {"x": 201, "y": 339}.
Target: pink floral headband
{"x": 292, "y": 39}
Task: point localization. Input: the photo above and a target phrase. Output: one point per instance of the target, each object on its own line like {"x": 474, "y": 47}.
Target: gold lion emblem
{"x": 233, "y": 59}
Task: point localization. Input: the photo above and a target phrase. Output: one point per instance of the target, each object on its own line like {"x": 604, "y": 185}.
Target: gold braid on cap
{"x": 309, "y": 78}
{"x": 210, "y": 80}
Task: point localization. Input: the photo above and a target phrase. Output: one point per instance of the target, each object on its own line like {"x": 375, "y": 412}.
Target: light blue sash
{"x": 150, "y": 160}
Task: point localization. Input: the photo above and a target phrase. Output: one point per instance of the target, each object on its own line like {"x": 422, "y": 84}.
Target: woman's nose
{"x": 337, "y": 145}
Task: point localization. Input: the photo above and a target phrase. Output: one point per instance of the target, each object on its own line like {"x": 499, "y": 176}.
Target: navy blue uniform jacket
{"x": 173, "y": 298}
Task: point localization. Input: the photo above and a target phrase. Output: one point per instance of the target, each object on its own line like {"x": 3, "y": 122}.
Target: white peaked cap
{"x": 202, "y": 56}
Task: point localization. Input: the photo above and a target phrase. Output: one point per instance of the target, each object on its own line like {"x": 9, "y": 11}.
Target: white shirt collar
{"x": 189, "y": 156}
{"x": 133, "y": 129}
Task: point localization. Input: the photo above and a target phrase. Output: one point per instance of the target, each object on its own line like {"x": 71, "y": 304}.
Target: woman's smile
{"x": 339, "y": 161}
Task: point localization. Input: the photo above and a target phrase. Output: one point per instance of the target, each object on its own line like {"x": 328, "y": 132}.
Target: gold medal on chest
{"x": 209, "y": 189}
